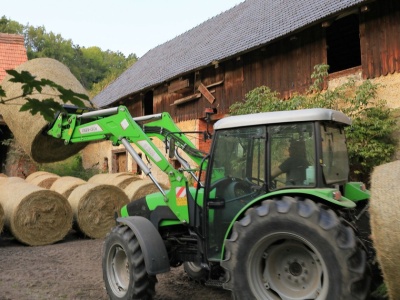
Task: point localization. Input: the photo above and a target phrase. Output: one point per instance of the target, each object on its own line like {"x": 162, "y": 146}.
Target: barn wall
{"x": 379, "y": 38}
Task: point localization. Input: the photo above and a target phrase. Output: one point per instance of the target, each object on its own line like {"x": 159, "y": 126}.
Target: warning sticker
{"x": 181, "y": 199}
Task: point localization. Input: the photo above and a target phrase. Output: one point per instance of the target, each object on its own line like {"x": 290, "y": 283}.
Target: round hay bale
{"x": 27, "y": 128}
{"x": 141, "y": 188}
{"x": 33, "y": 175}
{"x": 1, "y": 218}
{"x": 385, "y": 223}
{"x": 66, "y": 184}
{"x": 105, "y": 178}
{"x": 35, "y": 216}
{"x": 94, "y": 207}
{"x": 45, "y": 180}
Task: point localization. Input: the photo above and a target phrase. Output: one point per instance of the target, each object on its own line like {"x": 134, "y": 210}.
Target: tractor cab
{"x": 271, "y": 153}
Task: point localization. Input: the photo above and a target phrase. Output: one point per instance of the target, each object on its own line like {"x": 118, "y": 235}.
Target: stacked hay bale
{"x": 94, "y": 206}
{"x": 26, "y": 128}
{"x": 43, "y": 180}
{"x": 35, "y": 216}
{"x": 120, "y": 180}
{"x": 1, "y": 218}
{"x": 66, "y": 185}
{"x": 385, "y": 223}
{"x": 140, "y": 188}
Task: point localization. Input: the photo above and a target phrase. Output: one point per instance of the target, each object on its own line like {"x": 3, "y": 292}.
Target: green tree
{"x": 370, "y": 138}
{"x": 89, "y": 65}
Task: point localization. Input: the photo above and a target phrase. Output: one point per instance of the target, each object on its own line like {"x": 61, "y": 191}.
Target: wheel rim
{"x": 118, "y": 270}
{"x": 286, "y": 266}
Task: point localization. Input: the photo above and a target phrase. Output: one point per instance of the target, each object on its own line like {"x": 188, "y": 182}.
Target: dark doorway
{"x": 343, "y": 43}
{"x": 148, "y": 103}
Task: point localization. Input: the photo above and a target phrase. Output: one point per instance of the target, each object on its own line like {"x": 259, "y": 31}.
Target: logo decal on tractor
{"x": 181, "y": 198}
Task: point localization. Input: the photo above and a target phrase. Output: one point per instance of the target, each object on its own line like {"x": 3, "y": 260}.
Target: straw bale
{"x": 35, "y": 216}
{"x": 27, "y": 128}
{"x": 141, "y": 188}
{"x": 106, "y": 178}
{"x": 385, "y": 223}
{"x": 94, "y": 206}
{"x": 1, "y": 218}
{"x": 66, "y": 184}
{"x": 45, "y": 180}
{"x": 33, "y": 175}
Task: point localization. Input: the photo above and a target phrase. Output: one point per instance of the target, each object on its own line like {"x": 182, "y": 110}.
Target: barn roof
{"x": 12, "y": 52}
{"x": 246, "y": 26}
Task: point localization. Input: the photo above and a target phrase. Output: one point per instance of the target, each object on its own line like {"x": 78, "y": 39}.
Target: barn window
{"x": 343, "y": 43}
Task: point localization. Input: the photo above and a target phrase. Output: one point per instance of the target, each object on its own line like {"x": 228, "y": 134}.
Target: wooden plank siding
{"x": 379, "y": 39}
{"x": 285, "y": 66}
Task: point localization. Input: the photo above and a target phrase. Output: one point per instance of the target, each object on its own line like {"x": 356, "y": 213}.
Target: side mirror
{"x": 171, "y": 149}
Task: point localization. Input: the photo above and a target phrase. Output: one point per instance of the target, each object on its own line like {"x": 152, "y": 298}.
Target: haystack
{"x": 66, "y": 184}
{"x": 94, "y": 207}
{"x": 385, "y": 223}
{"x": 27, "y": 129}
{"x": 35, "y": 216}
{"x": 45, "y": 180}
{"x": 140, "y": 188}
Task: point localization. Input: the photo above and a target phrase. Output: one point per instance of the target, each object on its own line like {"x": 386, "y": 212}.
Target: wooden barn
{"x": 257, "y": 42}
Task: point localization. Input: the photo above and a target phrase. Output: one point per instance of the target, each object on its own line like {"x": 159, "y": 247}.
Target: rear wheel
{"x": 293, "y": 249}
{"x": 124, "y": 270}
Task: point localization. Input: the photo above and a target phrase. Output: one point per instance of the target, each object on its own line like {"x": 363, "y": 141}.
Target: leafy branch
{"x": 47, "y": 107}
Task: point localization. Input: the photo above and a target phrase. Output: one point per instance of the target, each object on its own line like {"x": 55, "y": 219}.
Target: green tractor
{"x": 272, "y": 216}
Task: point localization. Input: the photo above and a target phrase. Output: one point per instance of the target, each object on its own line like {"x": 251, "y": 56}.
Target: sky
{"x": 128, "y": 26}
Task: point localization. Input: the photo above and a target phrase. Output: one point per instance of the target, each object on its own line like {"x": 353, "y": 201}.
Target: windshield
{"x": 335, "y": 161}
{"x": 237, "y": 177}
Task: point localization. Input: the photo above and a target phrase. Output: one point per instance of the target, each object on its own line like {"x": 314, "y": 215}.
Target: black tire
{"x": 124, "y": 270}
{"x": 294, "y": 249}
{"x": 196, "y": 272}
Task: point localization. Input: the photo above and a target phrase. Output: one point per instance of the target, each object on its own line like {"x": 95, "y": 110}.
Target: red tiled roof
{"x": 12, "y": 52}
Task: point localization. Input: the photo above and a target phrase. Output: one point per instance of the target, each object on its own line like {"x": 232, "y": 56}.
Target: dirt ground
{"x": 72, "y": 269}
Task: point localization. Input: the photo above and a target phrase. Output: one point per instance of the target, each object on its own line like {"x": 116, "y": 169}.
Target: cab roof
{"x": 278, "y": 117}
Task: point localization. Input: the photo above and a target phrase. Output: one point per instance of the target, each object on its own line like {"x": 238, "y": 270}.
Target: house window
{"x": 343, "y": 44}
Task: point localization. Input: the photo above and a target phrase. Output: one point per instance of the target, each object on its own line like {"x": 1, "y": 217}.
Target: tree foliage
{"x": 89, "y": 65}
{"x": 370, "y": 138}
{"x": 46, "y": 107}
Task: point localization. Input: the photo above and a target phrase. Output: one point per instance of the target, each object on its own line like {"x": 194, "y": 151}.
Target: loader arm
{"x": 118, "y": 126}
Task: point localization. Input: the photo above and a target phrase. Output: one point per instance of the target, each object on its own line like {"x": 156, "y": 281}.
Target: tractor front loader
{"x": 275, "y": 217}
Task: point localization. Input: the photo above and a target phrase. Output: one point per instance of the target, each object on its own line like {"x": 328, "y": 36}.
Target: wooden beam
{"x": 206, "y": 93}
{"x": 186, "y": 99}
{"x": 177, "y": 85}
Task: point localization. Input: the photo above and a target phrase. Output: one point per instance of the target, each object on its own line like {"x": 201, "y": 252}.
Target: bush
{"x": 370, "y": 138}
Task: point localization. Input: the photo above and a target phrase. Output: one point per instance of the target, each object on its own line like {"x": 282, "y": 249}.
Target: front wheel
{"x": 293, "y": 249}
{"x": 124, "y": 270}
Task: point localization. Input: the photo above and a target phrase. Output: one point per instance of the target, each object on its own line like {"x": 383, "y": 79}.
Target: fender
{"x": 153, "y": 248}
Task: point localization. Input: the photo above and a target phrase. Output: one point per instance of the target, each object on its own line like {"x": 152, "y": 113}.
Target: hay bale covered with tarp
{"x": 385, "y": 223}
{"x": 35, "y": 216}
{"x": 45, "y": 180}
{"x": 94, "y": 206}
{"x": 27, "y": 128}
{"x": 141, "y": 188}
{"x": 66, "y": 184}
